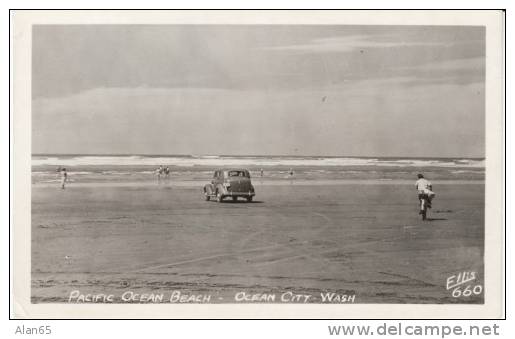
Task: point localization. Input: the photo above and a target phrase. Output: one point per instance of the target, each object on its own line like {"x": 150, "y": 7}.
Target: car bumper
{"x": 239, "y": 194}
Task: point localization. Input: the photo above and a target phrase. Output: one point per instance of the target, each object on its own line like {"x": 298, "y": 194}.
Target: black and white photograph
{"x": 260, "y": 164}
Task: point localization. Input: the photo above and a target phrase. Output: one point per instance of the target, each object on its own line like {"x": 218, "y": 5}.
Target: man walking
{"x": 64, "y": 177}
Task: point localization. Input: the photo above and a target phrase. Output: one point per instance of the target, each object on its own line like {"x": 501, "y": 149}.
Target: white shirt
{"x": 423, "y": 184}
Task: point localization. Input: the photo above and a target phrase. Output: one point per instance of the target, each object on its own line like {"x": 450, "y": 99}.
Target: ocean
{"x": 92, "y": 168}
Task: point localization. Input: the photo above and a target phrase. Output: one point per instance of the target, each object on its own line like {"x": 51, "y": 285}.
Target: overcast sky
{"x": 259, "y": 90}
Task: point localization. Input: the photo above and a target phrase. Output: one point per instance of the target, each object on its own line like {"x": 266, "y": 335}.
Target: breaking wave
{"x": 215, "y": 161}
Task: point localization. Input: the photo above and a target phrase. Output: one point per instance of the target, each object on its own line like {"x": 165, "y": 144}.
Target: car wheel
{"x": 249, "y": 199}
{"x": 206, "y": 197}
{"x": 219, "y": 197}
{"x": 234, "y": 199}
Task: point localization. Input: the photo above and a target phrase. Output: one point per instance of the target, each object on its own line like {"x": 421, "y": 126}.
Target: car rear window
{"x": 236, "y": 174}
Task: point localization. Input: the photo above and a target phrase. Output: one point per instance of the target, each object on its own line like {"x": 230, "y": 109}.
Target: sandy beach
{"x": 307, "y": 238}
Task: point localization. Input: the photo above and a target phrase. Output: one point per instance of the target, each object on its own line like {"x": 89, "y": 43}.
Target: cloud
{"x": 348, "y": 44}
{"x": 458, "y": 71}
{"x": 451, "y": 65}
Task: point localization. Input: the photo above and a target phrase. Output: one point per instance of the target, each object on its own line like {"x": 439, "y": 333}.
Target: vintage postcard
{"x": 258, "y": 164}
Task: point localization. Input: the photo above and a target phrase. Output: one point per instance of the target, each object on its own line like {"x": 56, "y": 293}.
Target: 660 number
{"x": 467, "y": 291}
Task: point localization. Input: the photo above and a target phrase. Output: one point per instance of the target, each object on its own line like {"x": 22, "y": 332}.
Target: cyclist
{"x": 424, "y": 188}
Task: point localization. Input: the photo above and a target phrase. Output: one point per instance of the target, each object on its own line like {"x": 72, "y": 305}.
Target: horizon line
{"x": 257, "y": 155}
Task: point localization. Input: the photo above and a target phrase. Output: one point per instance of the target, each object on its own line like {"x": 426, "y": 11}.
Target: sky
{"x": 397, "y": 91}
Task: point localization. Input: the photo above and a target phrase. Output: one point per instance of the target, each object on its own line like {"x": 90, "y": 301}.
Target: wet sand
{"x": 350, "y": 239}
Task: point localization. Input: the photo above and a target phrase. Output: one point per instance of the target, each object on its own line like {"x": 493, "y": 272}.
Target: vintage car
{"x": 232, "y": 183}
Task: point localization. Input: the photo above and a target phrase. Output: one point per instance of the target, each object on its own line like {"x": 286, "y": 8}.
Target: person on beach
{"x": 159, "y": 172}
{"x": 64, "y": 177}
{"x": 261, "y": 172}
{"x": 291, "y": 172}
{"x": 167, "y": 173}
{"x": 424, "y": 187}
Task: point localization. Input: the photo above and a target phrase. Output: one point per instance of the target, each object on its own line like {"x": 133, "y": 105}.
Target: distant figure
{"x": 167, "y": 172}
{"x": 159, "y": 172}
{"x": 261, "y": 172}
{"x": 64, "y": 177}
{"x": 290, "y": 172}
{"x": 424, "y": 188}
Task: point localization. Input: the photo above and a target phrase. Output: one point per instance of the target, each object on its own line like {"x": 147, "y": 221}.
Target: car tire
{"x": 249, "y": 199}
{"x": 219, "y": 197}
{"x": 234, "y": 199}
{"x": 206, "y": 197}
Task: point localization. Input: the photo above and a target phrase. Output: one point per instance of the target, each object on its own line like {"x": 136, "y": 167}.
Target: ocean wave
{"x": 54, "y": 173}
{"x": 221, "y": 161}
